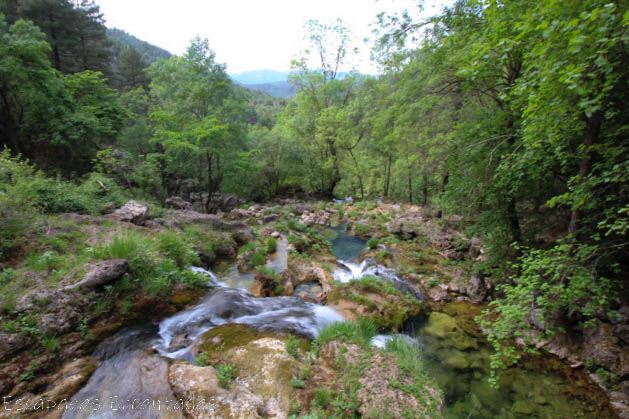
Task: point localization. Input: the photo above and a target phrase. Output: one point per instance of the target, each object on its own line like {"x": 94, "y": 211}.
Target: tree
{"x": 132, "y": 68}
{"x": 319, "y": 91}
{"x": 197, "y": 120}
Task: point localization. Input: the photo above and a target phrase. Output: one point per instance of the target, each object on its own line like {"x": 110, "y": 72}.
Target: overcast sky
{"x": 248, "y": 34}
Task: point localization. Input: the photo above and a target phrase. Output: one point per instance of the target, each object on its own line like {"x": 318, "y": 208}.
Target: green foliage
{"x": 322, "y": 397}
{"x": 202, "y": 360}
{"x": 226, "y": 375}
{"x": 292, "y": 346}
{"x": 271, "y": 245}
{"x": 359, "y": 331}
{"x": 373, "y": 243}
{"x": 556, "y": 280}
{"x": 297, "y": 383}
{"x": 51, "y": 343}
{"x": 30, "y": 373}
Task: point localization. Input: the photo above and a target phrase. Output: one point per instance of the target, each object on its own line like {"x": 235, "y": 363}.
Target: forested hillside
{"x": 511, "y": 114}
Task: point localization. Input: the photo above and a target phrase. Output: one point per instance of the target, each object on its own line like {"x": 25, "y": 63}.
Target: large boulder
{"x": 264, "y": 371}
{"x": 101, "y": 273}
{"x": 132, "y": 212}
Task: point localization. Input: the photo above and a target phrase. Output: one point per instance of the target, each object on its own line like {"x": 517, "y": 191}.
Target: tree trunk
{"x": 410, "y": 186}
{"x": 513, "y": 220}
{"x": 593, "y": 127}
{"x": 425, "y": 188}
{"x": 387, "y": 180}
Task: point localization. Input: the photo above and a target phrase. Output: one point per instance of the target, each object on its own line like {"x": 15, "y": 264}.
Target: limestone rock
{"x": 11, "y": 343}
{"x": 177, "y": 203}
{"x": 101, "y": 273}
{"x": 132, "y": 212}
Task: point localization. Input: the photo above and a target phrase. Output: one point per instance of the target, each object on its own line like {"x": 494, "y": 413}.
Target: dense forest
{"x": 510, "y": 113}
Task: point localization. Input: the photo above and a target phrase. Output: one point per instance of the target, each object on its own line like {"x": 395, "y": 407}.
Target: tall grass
{"x": 359, "y": 332}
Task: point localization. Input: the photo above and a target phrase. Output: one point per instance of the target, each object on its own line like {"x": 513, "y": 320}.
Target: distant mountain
{"x": 150, "y": 52}
{"x": 260, "y": 77}
{"x": 279, "y": 89}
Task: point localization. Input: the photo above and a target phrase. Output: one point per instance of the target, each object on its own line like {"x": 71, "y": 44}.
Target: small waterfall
{"x": 350, "y": 271}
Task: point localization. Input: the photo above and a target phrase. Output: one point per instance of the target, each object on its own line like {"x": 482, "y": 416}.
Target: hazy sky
{"x": 248, "y": 34}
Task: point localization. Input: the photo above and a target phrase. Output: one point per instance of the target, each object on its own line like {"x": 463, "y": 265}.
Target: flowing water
{"x": 457, "y": 357}
{"x": 130, "y": 371}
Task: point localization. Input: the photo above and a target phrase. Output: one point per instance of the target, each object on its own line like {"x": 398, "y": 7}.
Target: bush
{"x": 373, "y": 243}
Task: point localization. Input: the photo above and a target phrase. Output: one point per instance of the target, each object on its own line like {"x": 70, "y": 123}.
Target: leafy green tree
{"x": 197, "y": 121}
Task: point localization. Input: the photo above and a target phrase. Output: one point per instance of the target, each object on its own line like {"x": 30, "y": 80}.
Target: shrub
{"x": 373, "y": 243}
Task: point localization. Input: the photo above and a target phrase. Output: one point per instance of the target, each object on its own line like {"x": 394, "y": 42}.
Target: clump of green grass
{"x": 271, "y": 245}
{"x": 297, "y": 383}
{"x": 322, "y": 397}
{"x": 373, "y": 243}
{"x": 359, "y": 332}
{"x": 292, "y": 346}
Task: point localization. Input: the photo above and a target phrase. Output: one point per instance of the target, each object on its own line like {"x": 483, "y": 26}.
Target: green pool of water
{"x": 459, "y": 363}
{"x": 344, "y": 246}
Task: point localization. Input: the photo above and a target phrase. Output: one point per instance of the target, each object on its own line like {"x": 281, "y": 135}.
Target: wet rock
{"x": 476, "y": 288}
{"x": 522, "y": 407}
{"x": 188, "y": 381}
{"x": 132, "y": 212}
{"x": 10, "y": 343}
{"x": 275, "y": 235}
{"x": 270, "y": 218}
{"x": 240, "y": 213}
{"x": 60, "y": 322}
{"x": 602, "y": 347}
{"x": 445, "y": 327}
{"x": 439, "y": 295}
{"x": 179, "y": 342}
{"x": 177, "y": 203}
{"x": 101, "y": 273}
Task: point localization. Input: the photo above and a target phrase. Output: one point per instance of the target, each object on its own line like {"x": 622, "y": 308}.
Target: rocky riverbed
{"x": 241, "y": 337}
